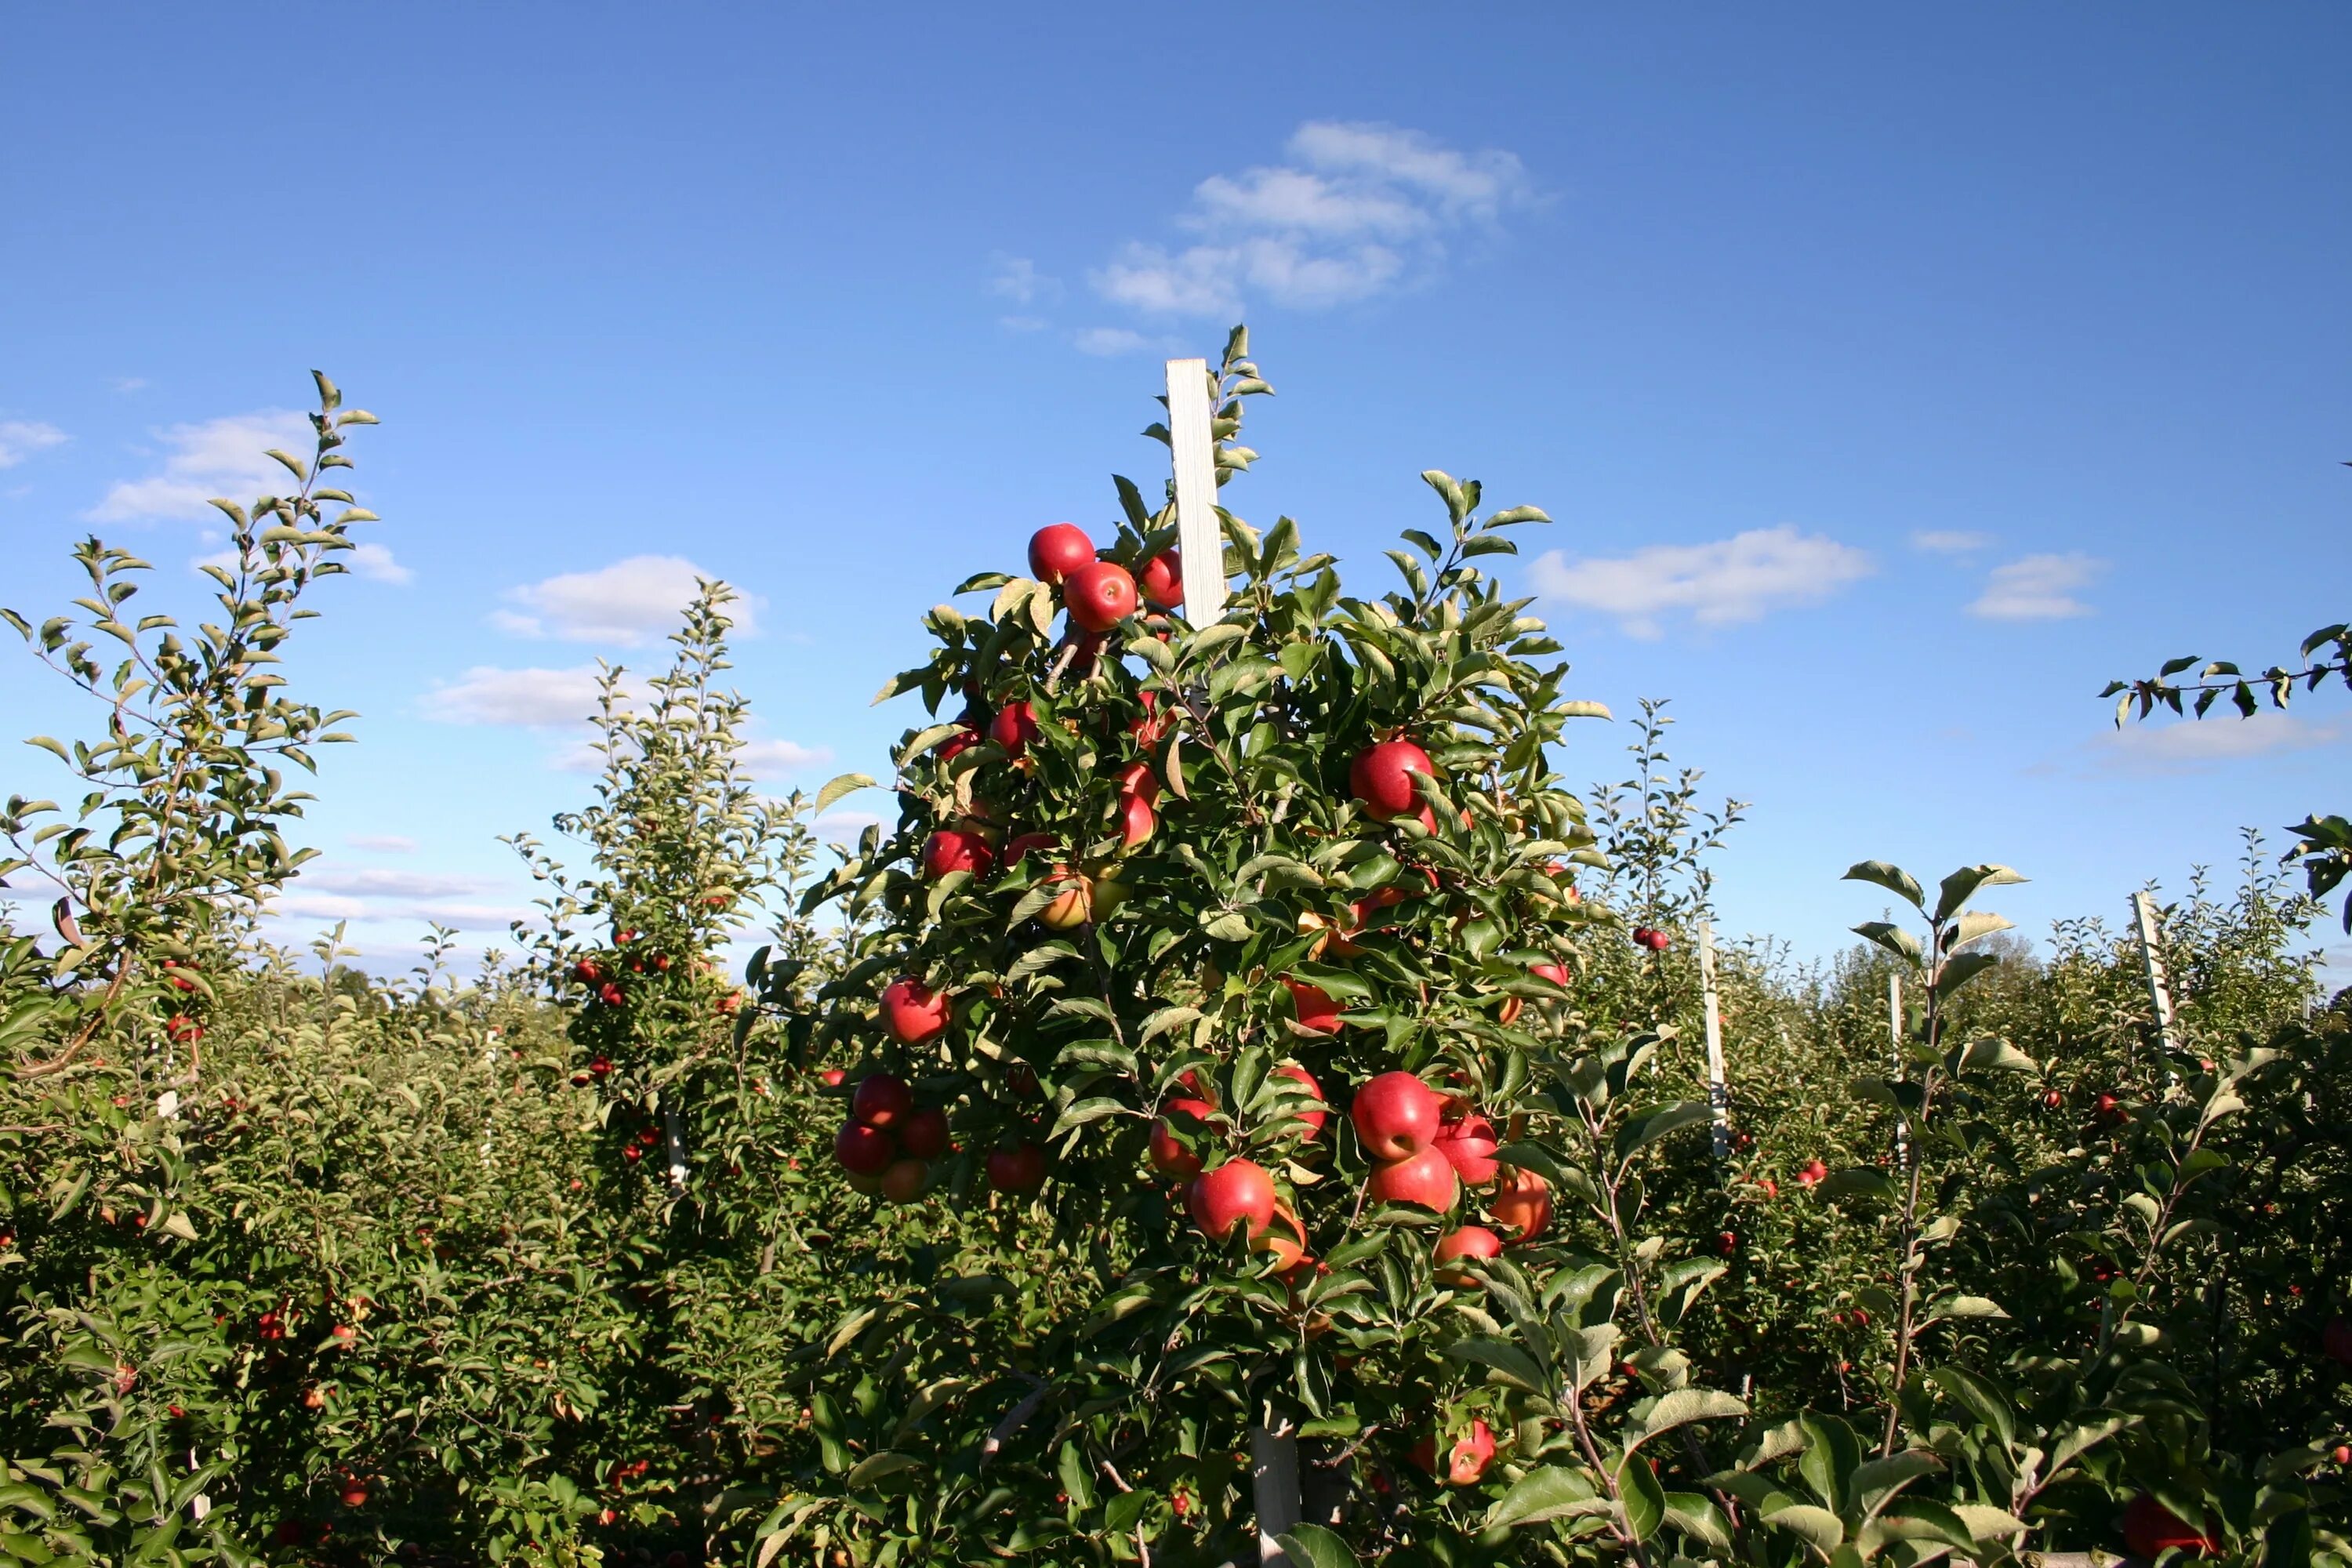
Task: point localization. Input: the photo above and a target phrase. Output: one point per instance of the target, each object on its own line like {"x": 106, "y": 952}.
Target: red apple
{"x": 1464, "y": 1462}
{"x": 1163, "y": 581}
{"x": 1474, "y": 1242}
{"x": 355, "y": 1495}
{"x": 903, "y": 1182}
{"x": 1306, "y": 1080}
{"x": 1137, "y": 779}
{"x": 1425, "y": 1179}
{"x": 1812, "y": 1173}
{"x": 1136, "y": 820}
{"x": 1381, "y": 778}
{"x": 1236, "y": 1192}
{"x": 954, "y": 849}
{"x": 912, "y": 1010}
{"x": 1318, "y": 1013}
{"x": 925, "y": 1135}
{"x": 955, "y": 745}
{"x": 1057, "y": 550}
{"x": 2151, "y": 1528}
{"x": 863, "y": 1150}
{"x": 832, "y": 1078}
{"x": 1020, "y": 1169}
{"x": 1284, "y": 1240}
{"x": 1169, "y": 1156}
{"x": 1099, "y": 596}
{"x": 1017, "y": 847}
{"x": 882, "y": 1100}
{"x": 1555, "y": 972}
{"x": 1469, "y": 1147}
{"x": 1014, "y": 726}
{"x": 2053, "y": 1100}
{"x": 1395, "y": 1115}
{"x": 1522, "y": 1205}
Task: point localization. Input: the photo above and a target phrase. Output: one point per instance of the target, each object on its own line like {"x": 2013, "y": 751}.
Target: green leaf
{"x": 1817, "y": 1526}
{"x": 1861, "y": 1182}
{"x": 1679, "y": 1408}
{"x": 1313, "y": 1546}
{"x": 1893, "y": 879}
{"x": 834, "y": 789}
{"x": 1546, "y": 1493}
{"x": 876, "y": 1466}
{"x": 1962, "y": 884}
{"x": 1695, "y": 1516}
{"x": 1894, "y": 939}
{"x": 1981, "y": 1397}
{"x": 1644, "y": 1497}
{"x": 1506, "y": 1363}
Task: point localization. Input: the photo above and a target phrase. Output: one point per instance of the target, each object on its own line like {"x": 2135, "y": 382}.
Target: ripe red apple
{"x": 2341, "y": 1453}
{"x": 832, "y": 1078}
{"x": 610, "y": 993}
{"x": 861, "y": 1151}
{"x": 1020, "y": 1169}
{"x": 1466, "y": 1462}
{"x": 902, "y": 1182}
{"x": 955, "y": 849}
{"x": 1014, "y": 726}
{"x": 1728, "y": 1243}
{"x": 1318, "y": 1013}
{"x": 1395, "y": 1115}
{"x": 1236, "y": 1193}
{"x": 1812, "y": 1172}
{"x": 1284, "y": 1240}
{"x": 1100, "y": 596}
{"x": 925, "y": 1135}
{"x": 2108, "y": 1104}
{"x": 1315, "y": 1118}
{"x": 2151, "y": 1528}
{"x": 1521, "y": 1205}
{"x": 913, "y": 1011}
{"x": 1059, "y": 550}
{"x": 2053, "y": 1100}
{"x": 1508, "y": 1012}
{"x": 1381, "y": 778}
{"x": 1424, "y": 1179}
{"x": 1018, "y": 847}
{"x": 1474, "y": 1242}
{"x": 1555, "y": 972}
{"x": 1469, "y": 1147}
{"x": 1136, "y": 820}
{"x": 1169, "y": 1156}
{"x": 882, "y": 1100}
{"x": 1163, "y": 581}
{"x": 956, "y": 744}
{"x": 355, "y": 1495}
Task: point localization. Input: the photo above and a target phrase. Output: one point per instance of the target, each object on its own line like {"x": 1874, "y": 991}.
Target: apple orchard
{"x": 1247, "y": 1105}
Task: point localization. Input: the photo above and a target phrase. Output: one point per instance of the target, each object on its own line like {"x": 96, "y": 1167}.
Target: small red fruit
{"x": 1469, "y": 1147}
{"x": 1318, "y": 1013}
{"x": 1474, "y": 1242}
{"x": 925, "y": 1135}
{"x": 1059, "y": 550}
{"x": 2341, "y": 1454}
{"x": 863, "y": 1150}
{"x": 355, "y": 1495}
{"x": 1167, "y": 1153}
{"x": 953, "y": 849}
{"x": 1163, "y": 581}
{"x": 1726, "y": 1244}
{"x": 882, "y": 1100}
{"x": 1236, "y": 1192}
{"x": 1017, "y": 847}
{"x": 1521, "y": 1205}
{"x": 912, "y": 1010}
{"x": 610, "y": 993}
{"x": 1136, "y": 820}
{"x": 1464, "y": 1462}
{"x": 1014, "y": 726}
{"x": 832, "y": 1078}
{"x": 1020, "y": 1169}
{"x": 1395, "y": 1115}
{"x": 1425, "y": 1179}
{"x": 1381, "y": 778}
{"x": 902, "y": 1182}
{"x": 1100, "y": 596}
{"x": 1813, "y": 1172}
{"x": 2053, "y": 1100}
{"x": 601, "y": 1068}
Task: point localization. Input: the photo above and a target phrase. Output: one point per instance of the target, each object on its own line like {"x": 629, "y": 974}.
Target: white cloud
{"x": 20, "y": 438}
{"x": 1717, "y": 583}
{"x": 218, "y": 458}
{"x": 537, "y": 698}
{"x": 1948, "y": 542}
{"x": 2188, "y": 745}
{"x": 763, "y": 758}
{"x": 1018, "y": 280}
{"x": 1354, "y": 209}
{"x": 631, "y": 603}
{"x": 382, "y": 843}
{"x": 375, "y": 563}
{"x": 1022, "y": 323}
{"x": 843, "y": 826}
{"x": 130, "y": 382}
{"x": 388, "y": 883}
{"x": 1108, "y": 341}
{"x": 2037, "y": 588}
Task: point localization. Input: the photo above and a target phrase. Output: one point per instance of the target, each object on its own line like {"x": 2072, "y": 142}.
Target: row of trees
{"x": 1235, "y": 1057}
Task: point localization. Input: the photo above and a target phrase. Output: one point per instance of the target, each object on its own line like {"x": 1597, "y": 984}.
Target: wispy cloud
{"x": 532, "y": 698}
{"x": 1016, "y": 277}
{"x": 382, "y": 843}
{"x": 1948, "y": 542}
{"x": 375, "y": 563}
{"x": 1354, "y": 209}
{"x": 20, "y": 438}
{"x": 1717, "y": 583}
{"x": 765, "y": 759}
{"x": 1110, "y": 341}
{"x": 216, "y": 457}
{"x": 2038, "y": 588}
{"x": 386, "y": 882}
{"x": 629, "y": 603}
{"x": 2193, "y": 745}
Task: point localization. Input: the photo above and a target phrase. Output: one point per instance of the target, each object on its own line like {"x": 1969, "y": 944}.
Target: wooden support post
{"x": 1199, "y": 539}
{"x": 677, "y": 1134}
{"x": 2151, "y": 958}
{"x": 1895, "y": 1056}
{"x": 1719, "y": 1090}
{"x": 1273, "y": 1445}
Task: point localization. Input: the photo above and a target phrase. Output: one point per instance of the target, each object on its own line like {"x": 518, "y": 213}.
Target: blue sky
{"x": 1894, "y": 377}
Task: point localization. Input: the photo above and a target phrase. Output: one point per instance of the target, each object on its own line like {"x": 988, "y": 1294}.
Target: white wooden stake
{"x": 1199, "y": 540}
{"x": 1719, "y": 1090}
{"x": 676, "y": 1144}
{"x": 1273, "y": 1448}
{"x": 2151, "y": 958}
{"x": 1894, "y": 1055}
